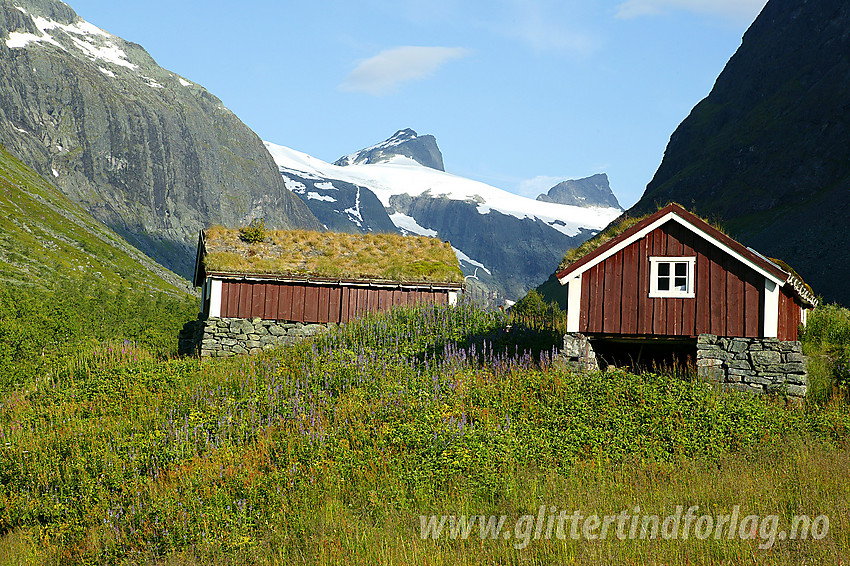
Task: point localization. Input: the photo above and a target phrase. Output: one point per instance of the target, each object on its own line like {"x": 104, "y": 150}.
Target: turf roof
{"x": 625, "y": 222}
{"x": 333, "y": 255}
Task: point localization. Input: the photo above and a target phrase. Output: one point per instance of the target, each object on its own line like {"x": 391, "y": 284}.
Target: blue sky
{"x": 519, "y": 93}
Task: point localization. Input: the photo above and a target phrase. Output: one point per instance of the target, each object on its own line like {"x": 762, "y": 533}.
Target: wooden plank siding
{"x": 728, "y": 301}
{"x": 311, "y": 303}
{"x": 790, "y": 315}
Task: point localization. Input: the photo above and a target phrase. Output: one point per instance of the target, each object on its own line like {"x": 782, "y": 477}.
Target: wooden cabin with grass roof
{"x": 671, "y": 279}
{"x": 672, "y": 273}
{"x": 320, "y": 277}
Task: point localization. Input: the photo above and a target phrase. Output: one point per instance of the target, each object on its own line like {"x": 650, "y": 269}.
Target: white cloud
{"x": 540, "y": 184}
{"x": 733, "y": 9}
{"x": 382, "y": 73}
{"x": 544, "y": 25}
{"x": 539, "y": 27}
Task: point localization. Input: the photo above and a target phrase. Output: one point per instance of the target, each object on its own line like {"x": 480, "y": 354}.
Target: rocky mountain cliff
{"x": 149, "y": 153}
{"x": 590, "y": 191}
{"x": 404, "y": 143}
{"x": 46, "y": 238}
{"x": 767, "y": 151}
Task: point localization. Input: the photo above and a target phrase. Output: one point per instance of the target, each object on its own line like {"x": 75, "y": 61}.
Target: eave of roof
{"x": 352, "y": 282}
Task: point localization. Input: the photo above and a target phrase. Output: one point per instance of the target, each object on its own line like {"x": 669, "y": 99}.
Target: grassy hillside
{"x": 329, "y": 452}
{"x": 45, "y": 236}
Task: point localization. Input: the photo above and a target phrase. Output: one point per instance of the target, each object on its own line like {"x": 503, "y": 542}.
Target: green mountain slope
{"x": 766, "y": 152}
{"x": 45, "y": 236}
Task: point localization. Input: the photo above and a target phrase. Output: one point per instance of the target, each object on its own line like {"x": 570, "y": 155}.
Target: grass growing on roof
{"x": 611, "y": 232}
{"x": 331, "y": 254}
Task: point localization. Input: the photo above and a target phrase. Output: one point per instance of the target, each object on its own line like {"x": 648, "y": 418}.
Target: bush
{"x": 39, "y": 325}
{"x": 255, "y": 232}
{"x": 533, "y": 305}
{"x": 826, "y": 340}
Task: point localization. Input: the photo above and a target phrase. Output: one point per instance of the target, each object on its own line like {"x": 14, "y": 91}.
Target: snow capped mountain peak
{"x": 407, "y": 143}
{"x": 507, "y": 242}
{"x": 400, "y": 175}
{"x": 54, "y": 23}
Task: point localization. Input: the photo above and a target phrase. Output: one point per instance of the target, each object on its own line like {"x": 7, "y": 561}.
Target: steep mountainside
{"x": 45, "y": 235}
{"x": 590, "y": 191}
{"x": 767, "y": 151}
{"x": 506, "y": 242}
{"x": 150, "y": 154}
{"x": 405, "y": 143}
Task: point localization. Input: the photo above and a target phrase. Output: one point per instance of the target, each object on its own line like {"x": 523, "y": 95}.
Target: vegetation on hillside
{"x": 45, "y": 236}
{"x": 826, "y": 342}
{"x": 330, "y": 451}
{"x": 41, "y": 328}
{"x": 330, "y": 254}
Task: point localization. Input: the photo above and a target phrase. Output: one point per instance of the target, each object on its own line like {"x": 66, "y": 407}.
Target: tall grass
{"x": 826, "y": 341}
{"x": 328, "y": 452}
{"x": 39, "y": 326}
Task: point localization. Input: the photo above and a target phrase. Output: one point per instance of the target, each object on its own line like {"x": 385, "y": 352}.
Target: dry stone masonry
{"x": 759, "y": 365}
{"x": 578, "y": 352}
{"x": 224, "y": 337}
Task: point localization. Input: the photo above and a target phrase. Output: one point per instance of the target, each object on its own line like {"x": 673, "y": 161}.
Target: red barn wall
{"x": 310, "y": 303}
{"x": 790, "y": 315}
{"x": 615, "y": 298}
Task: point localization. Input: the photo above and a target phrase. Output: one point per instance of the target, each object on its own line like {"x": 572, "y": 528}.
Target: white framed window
{"x": 672, "y": 277}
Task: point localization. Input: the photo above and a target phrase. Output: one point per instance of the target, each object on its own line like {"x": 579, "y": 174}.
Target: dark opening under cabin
{"x": 674, "y": 277}
{"x": 289, "y": 283}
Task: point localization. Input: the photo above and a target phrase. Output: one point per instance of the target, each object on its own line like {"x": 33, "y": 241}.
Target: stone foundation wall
{"x": 759, "y": 365}
{"x": 578, "y": 352}
{"x": 224, "y": 337}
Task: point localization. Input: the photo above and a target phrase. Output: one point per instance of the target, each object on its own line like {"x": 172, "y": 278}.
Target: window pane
{"x": 681, "y": 283}
{"x": 681, "y": 270}
{"x": 663, "y": 283}
{"x": 664, "y": 269}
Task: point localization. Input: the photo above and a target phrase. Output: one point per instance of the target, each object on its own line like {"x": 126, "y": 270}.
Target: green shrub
{"x": 534, "y": 306}
{"x": 255, "y": 232}
{"x": 826, "y": 341}
{"x": 40, "y": 325}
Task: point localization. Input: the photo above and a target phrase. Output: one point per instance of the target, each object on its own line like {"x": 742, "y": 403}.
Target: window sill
{"x": 672, "y": 295}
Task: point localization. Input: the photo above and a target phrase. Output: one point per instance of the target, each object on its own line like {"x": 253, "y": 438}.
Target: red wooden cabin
{"x": 674, "y": 275}
{"x": 309, "y": 297}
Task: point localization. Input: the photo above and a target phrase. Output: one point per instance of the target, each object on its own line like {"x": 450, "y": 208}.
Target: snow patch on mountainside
{"x": 408, "y": 225}
{"x": 354, "y": 212}
{"x": 95, "y": 43}
{"x": 316, "y": 196}
{"x": 402, "y": 175}
{"x": 462, "y": 257}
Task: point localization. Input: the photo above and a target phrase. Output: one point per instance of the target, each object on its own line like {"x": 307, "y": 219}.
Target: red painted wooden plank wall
{"x": 729, "y": 296}
{"x": 302, "y": 302}
{"x": 790, "y": 315}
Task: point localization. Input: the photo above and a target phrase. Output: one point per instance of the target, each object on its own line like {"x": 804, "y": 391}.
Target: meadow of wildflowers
{"x": 328, "y": 451}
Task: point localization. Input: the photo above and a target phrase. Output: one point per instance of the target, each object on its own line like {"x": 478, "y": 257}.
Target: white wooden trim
{"x": 574, "y": 303}
{"x": 804, "y": 315}
{"x": 654, "y": 292}
{"x": 452, "y": 298}
{"x": 771, "y": 309}
{"x": 215, "y": 298}
{"x": 342, "y": 283}
{"x": 661, "y": 221}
